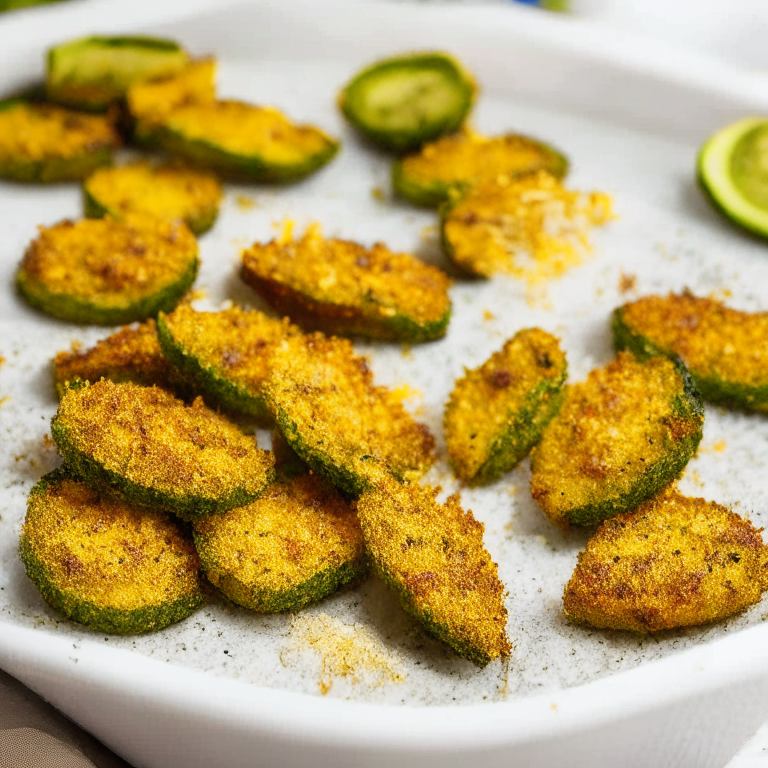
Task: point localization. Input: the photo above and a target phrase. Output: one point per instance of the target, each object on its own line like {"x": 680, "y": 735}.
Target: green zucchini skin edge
{"x": 187, "y": 506}
{"x": 52, "y": 170}
{"x": 66, "y": 307}
{"x": 108, "y": 620}
{"x": 210, "y": 380}
{"x": 314, "y": 589}
{"x": 524, "y": 431}
{"x": 404, "y": 141}
{"x": 340, "y": 320}
{"x": 236, "y": 167}
{"x": 657, "y": 476}
{"x": 713, "y": 389}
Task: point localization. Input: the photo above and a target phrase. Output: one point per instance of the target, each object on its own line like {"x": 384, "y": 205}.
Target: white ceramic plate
{"x": 231, "y": 688}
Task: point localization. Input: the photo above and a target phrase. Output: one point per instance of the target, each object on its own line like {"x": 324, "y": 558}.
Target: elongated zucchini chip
{"x": 497, "y": 412}
{"x": 620, "y": 437}
{"x": 453, "y": 163}
{"x": 108, "y": 272}
{"x": 402, "y": 102}
{"x": 170, "y": 192}
{"x": 337, "y": 286}
{"x": 93, "y": 72}
{"x": 43, "y": 143}
{"x": 295, "y": 545}
{"x": 131, "y": 354}
{"x": 244, "y": 142}
{"x": 527, "y": 227}
{"x": 157, "y": 451}
{"x": 105, "y": 564}
{"x": 225, "y": 355}
{"x": 328, "y": 409}
{"x": 723, "y": 348}
{"x": 432, "y": 556}
{"x": 673, "y": 562}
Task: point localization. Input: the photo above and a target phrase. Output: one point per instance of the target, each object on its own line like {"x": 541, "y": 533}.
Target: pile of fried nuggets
{"x": 163, "y": 493}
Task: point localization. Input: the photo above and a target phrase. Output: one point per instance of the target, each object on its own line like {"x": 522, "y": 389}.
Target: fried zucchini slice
{"x": 673, "y": 562}
{"x": 131, "y": 354}
{"x": 723, "y": 348}
{"x": 157, "y": 451}
{"x": 108, "y": 272}
{"x": 454, "y": 163}
{"x": 244, "y": 142}
{"x": 497, "y": 412}
{"x": 93, "y": 72}
{"x": 295, "y": 545}
{"x": 105, "y": 564}
{"x": 43, "y": 143}
{"x": 620, "y": 437}
{"x": 170, "y": 192}
{"x": 341, "y": 287}
{"x": 404, "y": 101}
{"x": 225, "y": 355}
{"x": 326, "y": 406}
{"x": 526, "y": 226}
{"x": 432, "y": 556}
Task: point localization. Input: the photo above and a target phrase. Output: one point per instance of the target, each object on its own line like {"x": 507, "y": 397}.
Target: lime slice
{"x": 733, "y": 170}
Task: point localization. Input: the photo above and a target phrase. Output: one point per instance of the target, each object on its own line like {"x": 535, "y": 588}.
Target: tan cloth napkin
{"x": 30, "y": 748}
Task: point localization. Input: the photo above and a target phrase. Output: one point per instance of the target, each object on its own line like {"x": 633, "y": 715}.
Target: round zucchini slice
{"x": 403, "y": 102}
{"x": 108, "y": 272}
{"x": 620, "y": 437}
{"x": 93, "y": 72}
{"x": 157, "y": 451}
{"x": 498, "y": 412}
{"x": 295, "y": 545}
{"x": 224, "y": 355}
{"x": 105, "y": 564}
{"x": 428, "y": 177}
{"x": 732, "y": 169}
{"x": 170, "y": 192}
{"x": 44, "y": 143}
{"x": 244, "y": 142}
{"x": 341, "y": 287}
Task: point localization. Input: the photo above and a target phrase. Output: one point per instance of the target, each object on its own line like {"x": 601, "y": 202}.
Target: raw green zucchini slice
{"x": 108, "y": 272}
{"x": 402, "y": 102}
{"x": 341, "y": 287}
{"x": 620, "y": 437}
{"x": 296, "y": 544}
{"x": 44, "y": 143}
{"x": 93, "y": 72}
{"x": 498, "y": 412}
{"x": 157, "y": 451}
{"x": 105, "y": 564}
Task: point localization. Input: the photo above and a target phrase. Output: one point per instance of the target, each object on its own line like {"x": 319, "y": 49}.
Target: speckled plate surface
{"x": 555, "y": 83}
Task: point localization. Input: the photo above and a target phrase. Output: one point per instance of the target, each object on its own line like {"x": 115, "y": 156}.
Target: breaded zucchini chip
{"x": 337, "y": 286}
{"x": 328, "y": 409}
{"x": 505, "y": 224}
{"x": 295, "y": 545}
{"x": 225, "y": 355}
{"x": 105, "y": 564}
{"x": 170, "y": 192}
{"x": 432, "y": 556}
{"x": 108, "y": 272}
{"x": 244, "y": 142}
{"x": 724, "y": 349}
{"x": 453, "y": 163}
{"x": 673, "y": 562}
{"x": 93, "y": 72}
{"x": 157, "y": 451}
{"x": 43, "y": 143}
{"x": 404, "y": 101}
{"x": 620, "y": 437}
{"x": 131, "y": 354}
{"x": 497, "y": 412}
